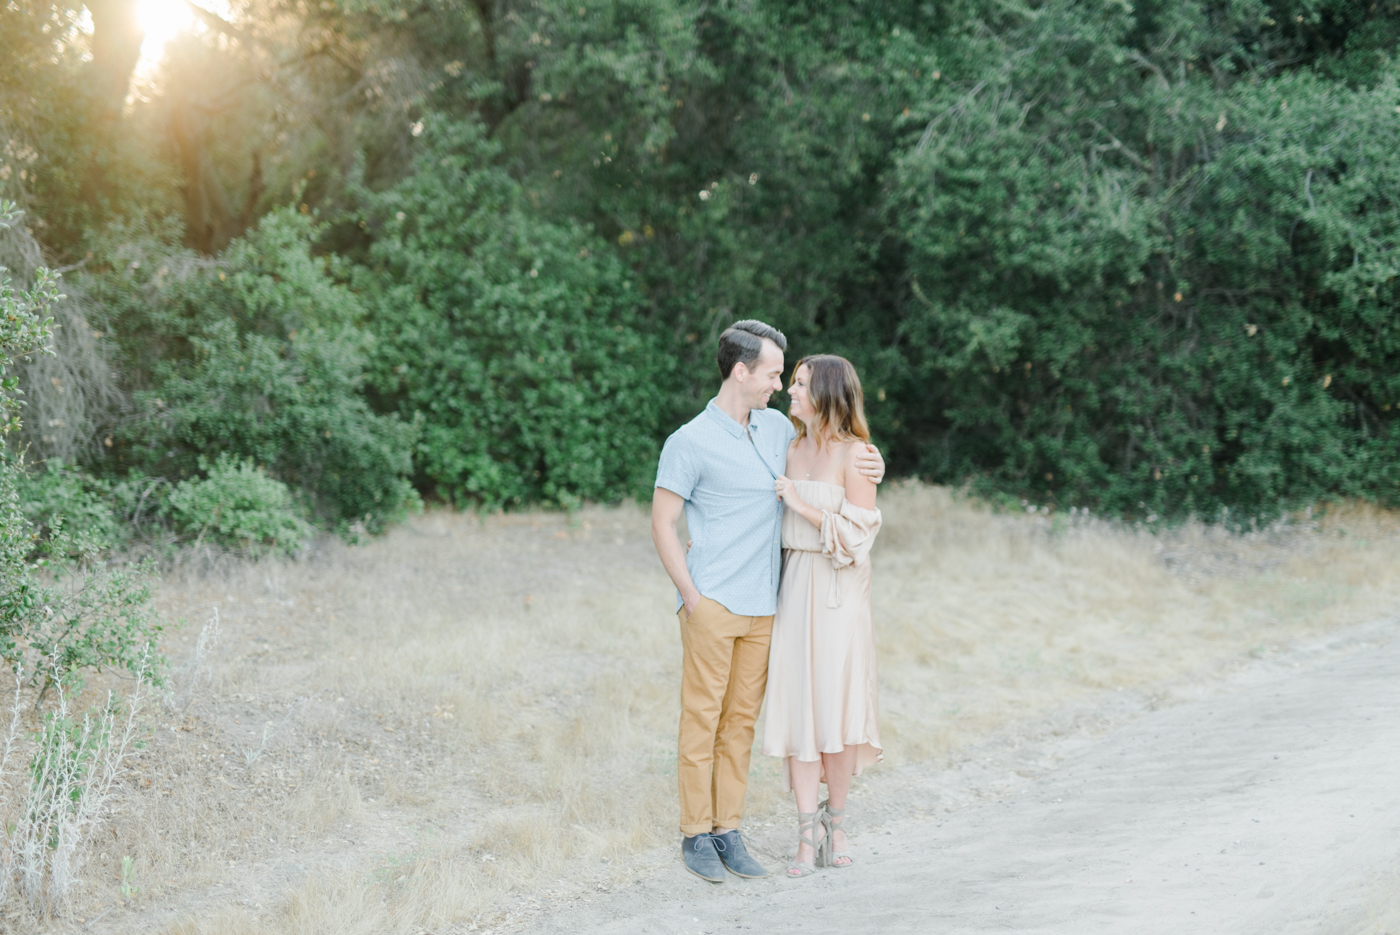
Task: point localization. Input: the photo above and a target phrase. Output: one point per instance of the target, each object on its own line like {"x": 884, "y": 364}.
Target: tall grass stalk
{"x": 55, "y": 801}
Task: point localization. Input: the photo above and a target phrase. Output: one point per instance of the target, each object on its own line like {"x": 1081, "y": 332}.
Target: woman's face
{"x": 801, "y": 404}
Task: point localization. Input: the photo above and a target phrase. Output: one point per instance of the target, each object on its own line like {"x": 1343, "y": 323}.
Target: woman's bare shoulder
{"x": 860, "y": 490}
{"x": 848, "y": 451}
{"x": 843, "y": 452}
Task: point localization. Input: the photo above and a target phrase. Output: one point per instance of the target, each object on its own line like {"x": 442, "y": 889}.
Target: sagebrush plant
{"x": 75, "y": 760}
{"x": 96, "y": 619}
{"x": 236, "y": 504}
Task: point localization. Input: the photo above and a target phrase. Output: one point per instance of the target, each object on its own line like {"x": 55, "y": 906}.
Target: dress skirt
{"x": 822, "y": 694}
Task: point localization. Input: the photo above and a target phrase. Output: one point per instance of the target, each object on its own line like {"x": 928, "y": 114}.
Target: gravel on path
{"x": 1269, "y": 803}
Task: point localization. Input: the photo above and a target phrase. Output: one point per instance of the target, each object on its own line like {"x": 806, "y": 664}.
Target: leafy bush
{"x": 75, "y": 514}
{"x": 93, "y": 618}
{"x": 238, "y": 505}
{"x": 517, "y": 339}
{"x": 79, "y": 614}
{"x": 58, "y": 500}
{"x": 257, "y": 355}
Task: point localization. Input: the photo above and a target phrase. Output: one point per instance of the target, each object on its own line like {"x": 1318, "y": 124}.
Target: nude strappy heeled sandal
{"x": 808, "y": 823}
{"x": 833, "y": 818}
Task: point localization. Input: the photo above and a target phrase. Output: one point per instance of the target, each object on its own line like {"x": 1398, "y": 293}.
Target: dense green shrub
{"x": 256, "y": 355}
{"x": 234, "y": 504}
{"x": 517, "y": 339}
{"x": 58, "y": 499}
{"x": 61, "y": 616}
{"x": 237, "y": 505}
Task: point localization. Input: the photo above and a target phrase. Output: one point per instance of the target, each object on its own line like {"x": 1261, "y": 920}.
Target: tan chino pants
{"x": 724, "y": 673}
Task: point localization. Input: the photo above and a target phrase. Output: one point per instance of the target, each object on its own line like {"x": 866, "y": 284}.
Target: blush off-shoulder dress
{"x": 822, "y": 695}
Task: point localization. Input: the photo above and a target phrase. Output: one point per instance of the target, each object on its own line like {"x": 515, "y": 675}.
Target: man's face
{"x": 765, "y": 377}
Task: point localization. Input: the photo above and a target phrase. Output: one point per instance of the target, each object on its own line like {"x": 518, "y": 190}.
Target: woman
{"x": 821, "y": 705}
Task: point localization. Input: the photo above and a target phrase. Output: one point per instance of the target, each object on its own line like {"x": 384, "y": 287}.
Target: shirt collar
{"x": 727, "y": 422}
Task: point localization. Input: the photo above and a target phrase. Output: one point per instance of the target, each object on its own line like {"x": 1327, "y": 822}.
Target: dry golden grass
{"x": 988, "y": 619}
{"x": 419, "y": 734}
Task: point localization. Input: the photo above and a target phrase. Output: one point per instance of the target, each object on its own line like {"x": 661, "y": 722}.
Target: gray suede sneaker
{"x": 735, "y": 856}
{"x": 701, "y": 859}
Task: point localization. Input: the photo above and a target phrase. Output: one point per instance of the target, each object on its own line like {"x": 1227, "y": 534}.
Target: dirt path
{"x": 1269, "y": 803}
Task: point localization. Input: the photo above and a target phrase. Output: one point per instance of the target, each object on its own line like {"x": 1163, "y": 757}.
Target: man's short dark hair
{"x": 742, "y": 342}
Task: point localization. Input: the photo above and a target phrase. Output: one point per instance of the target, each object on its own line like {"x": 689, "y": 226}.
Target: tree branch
{"x": 1119, "y": 147}
{"x": 219, "y": 24}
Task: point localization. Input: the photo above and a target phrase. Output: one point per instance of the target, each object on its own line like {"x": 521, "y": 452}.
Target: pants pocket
{"x": 687, "y": 617}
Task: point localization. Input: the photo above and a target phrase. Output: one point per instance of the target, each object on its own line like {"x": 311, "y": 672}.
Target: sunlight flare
{"x": 162, "y": 20}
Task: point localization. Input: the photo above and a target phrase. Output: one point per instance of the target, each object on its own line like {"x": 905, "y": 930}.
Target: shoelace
{"x": 720, "y": 844}
{"x": 714, "y": 839}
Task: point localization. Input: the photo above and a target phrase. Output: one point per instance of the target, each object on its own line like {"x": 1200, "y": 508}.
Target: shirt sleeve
{"x": 679, "y": 470}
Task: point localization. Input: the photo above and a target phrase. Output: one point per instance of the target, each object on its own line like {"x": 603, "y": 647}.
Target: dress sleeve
{"x": 847, "y": 536}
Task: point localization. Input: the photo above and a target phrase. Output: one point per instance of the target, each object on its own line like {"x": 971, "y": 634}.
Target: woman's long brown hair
{"x": 834, "y": 392}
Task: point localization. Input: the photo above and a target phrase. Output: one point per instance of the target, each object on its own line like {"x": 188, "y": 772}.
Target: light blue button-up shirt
{"x": 726, "y": 473}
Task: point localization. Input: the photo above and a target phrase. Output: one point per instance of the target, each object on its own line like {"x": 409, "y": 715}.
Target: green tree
{"x": 991, "y": 208}
{"x": 1127, "y": 275}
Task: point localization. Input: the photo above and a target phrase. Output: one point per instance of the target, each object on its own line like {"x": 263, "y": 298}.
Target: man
{"x": 720, "y": 468}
